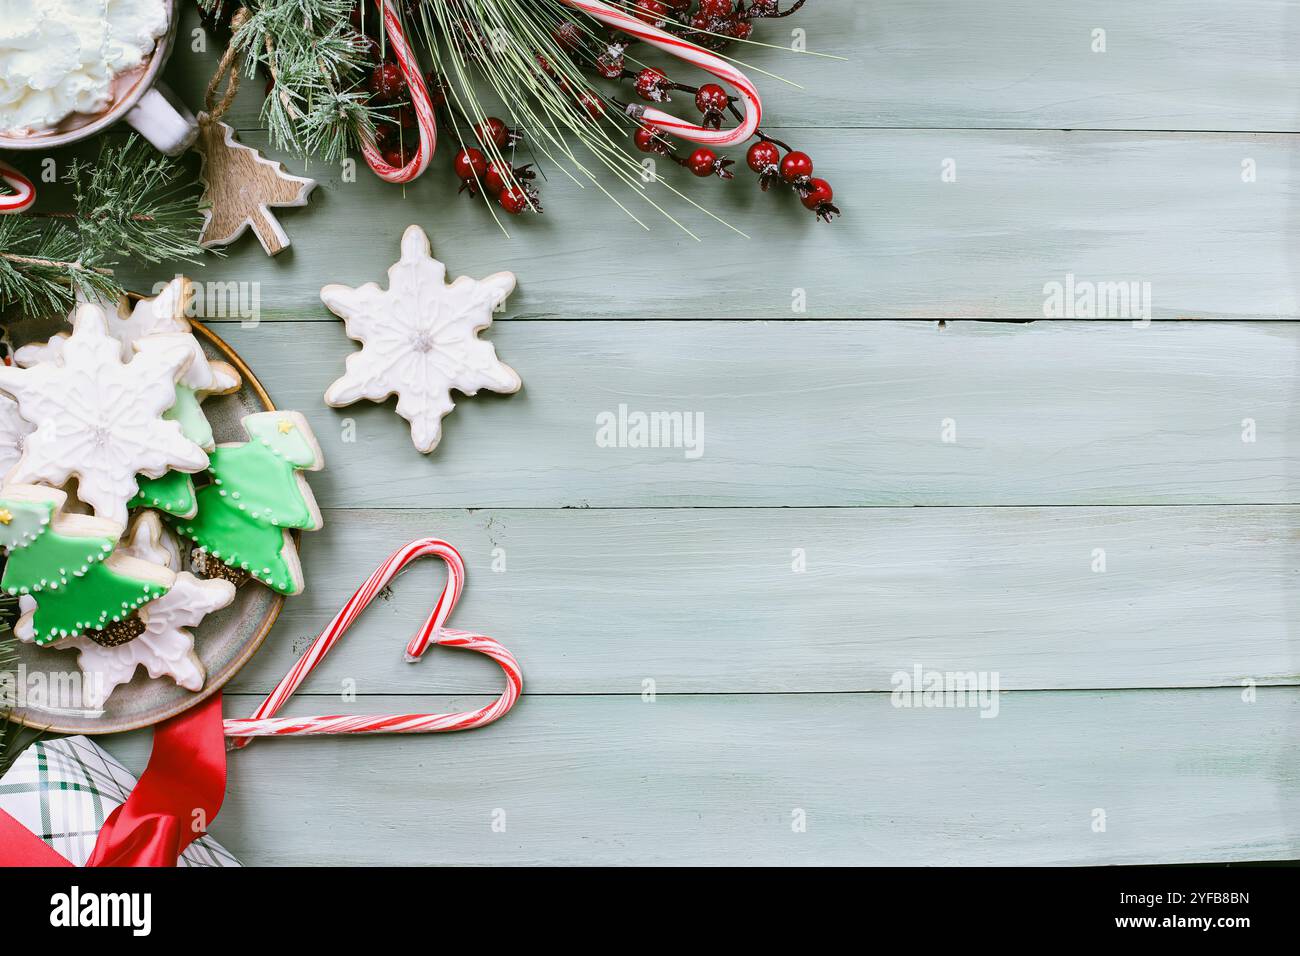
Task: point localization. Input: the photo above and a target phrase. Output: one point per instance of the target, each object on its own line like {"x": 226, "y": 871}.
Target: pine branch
{"x": 317, "y": 103}
{"x": 130, "y": 203}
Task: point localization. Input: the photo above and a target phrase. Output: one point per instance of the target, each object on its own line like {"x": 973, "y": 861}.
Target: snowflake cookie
{"x": 162, "y": 315}
{"x": 163, "y": 645}
{"x": 99, "y": 419}
{"x": 158, "y": 322}
{"x": 419, "y": 339}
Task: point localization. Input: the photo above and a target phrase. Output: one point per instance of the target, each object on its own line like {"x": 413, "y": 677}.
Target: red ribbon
{"x": 175, "y": 800}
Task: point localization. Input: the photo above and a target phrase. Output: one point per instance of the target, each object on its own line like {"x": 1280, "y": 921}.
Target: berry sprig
{"x": 713, "y": 24}
{"x": 484, "y": 162}
{"x": 794, "y": 168}
{"x": 511, "y": 186}
{"x": 702, "y": 162}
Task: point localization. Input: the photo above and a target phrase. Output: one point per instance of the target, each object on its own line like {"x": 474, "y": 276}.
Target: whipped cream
{"x": 60, "y": 57}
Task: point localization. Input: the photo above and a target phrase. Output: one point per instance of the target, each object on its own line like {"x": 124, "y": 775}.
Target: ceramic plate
{"x": 224, "y": 641}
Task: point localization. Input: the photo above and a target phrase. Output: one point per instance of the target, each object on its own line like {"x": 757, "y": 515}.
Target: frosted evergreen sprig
{"x": 317, "y": 62}
{"x": 129, "y": 203}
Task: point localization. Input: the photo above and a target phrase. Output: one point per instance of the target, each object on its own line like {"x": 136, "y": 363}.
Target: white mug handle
{"x": 163, "y": 120}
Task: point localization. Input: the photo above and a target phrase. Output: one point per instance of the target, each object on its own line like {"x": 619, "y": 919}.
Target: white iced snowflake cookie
{"x": 101, "y": 420}
{"x": 161, "y": 315}
{"x": 165, "y": 648}
{"x": 419, "y": 339}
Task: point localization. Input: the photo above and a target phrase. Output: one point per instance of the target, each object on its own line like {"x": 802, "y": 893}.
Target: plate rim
{"x": 213, "y": 684}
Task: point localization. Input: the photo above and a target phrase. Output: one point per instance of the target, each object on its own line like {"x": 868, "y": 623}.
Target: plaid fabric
{"x": 63, "y": 790}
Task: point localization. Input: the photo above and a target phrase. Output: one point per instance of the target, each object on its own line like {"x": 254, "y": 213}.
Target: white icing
{"x": 59, "y": 57}
{"x": 419, "y": 339}
{"x": 14, "y": 430}
{"x": 101, "y": 420}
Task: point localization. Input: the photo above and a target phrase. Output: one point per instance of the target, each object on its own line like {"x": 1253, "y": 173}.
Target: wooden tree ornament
{"x": 240, "y": 185}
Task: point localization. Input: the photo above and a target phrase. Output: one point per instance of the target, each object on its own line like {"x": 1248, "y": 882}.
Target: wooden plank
{"x": 1168, "y": 64}
{"x": 816, "y": 414}
{"x": 1180, "y": 777}
{"x": 712, "y": 600}
{"x": 1028, "y": 209}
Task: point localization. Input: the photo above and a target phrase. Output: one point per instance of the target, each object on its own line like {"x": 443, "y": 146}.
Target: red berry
{"x": 496, "y": 177}
{"x": 740, "y": 29}
{"x": 387, "y": 82}
{"x": 592, "y": 103}
{"x": 651, "y": 84}
{"x": 610, "y": 65}
{"x": 513, "y": 200}
{"x": 702, "y": 161}
{"x": 397, "y": 156}
{"x": 648, "y": 139}
{"x": 492, "y": 130}
{"x": 819, "y": 193}
{"x": 651, "y": 11}
{"x": 469, "y": 163}
{"x": 711, "y": 98}
{"x": 762, "y": 156}
{"x": 716, "y": 8}
{"x": 796, "y": 167}
{"x": 567, "y": 36}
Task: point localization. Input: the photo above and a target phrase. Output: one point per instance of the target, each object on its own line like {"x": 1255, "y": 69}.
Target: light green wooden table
{"x": 709, "y": 643}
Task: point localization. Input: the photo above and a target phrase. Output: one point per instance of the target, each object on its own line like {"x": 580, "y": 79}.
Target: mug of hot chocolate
{"x": 70, "y": 68}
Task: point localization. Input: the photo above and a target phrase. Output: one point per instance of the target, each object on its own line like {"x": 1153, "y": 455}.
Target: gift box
{"x": 63, "y": 790}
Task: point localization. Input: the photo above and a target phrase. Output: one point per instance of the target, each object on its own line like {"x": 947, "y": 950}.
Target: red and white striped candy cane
{"x": 264, "y": 723}
{"x": 424, "y": 117}
{"x": 689, "y": 53}
{"x": 24, "y": 192}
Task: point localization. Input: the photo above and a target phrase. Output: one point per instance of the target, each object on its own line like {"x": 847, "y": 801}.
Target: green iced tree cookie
{"x": 257, "y": 496}
{"x": 67, "y": 563}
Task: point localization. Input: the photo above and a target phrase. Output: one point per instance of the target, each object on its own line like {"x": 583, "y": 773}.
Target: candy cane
{"x": 264, "y": 723}
{"x": 424, "y": 117}
{"x": 689, "y": 53}
{"x": 25, "y": 192}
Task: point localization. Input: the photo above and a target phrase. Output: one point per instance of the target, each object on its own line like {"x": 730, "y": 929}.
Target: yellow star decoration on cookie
{"x": 285, "y": 426}
{"x": 6, "y": 516}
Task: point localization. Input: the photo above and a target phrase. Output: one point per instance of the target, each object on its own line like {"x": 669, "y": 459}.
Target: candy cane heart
{"x": 24, "y": 192}
{"x": 689, "y": 53}
{"x": 264, "y": 723}
{"x": 424, "y": 118}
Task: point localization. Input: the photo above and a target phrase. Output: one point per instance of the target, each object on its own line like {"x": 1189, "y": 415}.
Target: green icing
{"x": 254, "y": 479}
{"x": 78, "y": 591}
{"x": 255, "y": 494}
{"x": 239, "y": 540}
{"x": 291, "y": 445}
{"x": 27, "y": 519}
{"x": 89, "y": 602}
{"x": 193, "y": 422}
{"x": 173, "y": 493}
